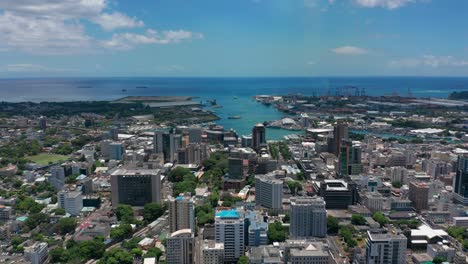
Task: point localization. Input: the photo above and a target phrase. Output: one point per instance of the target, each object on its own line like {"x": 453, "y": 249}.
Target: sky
{"x": 229, "y": 38}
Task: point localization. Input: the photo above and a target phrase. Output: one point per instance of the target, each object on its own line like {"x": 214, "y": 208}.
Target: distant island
{"x": 463, "y": 95}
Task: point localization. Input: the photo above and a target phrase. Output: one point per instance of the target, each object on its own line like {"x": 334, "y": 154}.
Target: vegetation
{"x": 294, "y": 186}
{"x": 413, "y": 223}
{"x": 153, "y": 211}
{"x": 124, "y": 213}
{"x": 357, "y": 219}
{"x": 438, "y": 260}
{"x": 333, "y": 225}
{"x": 153, "y": 253}
{"x": 121, "y": 232}
{"x": 346, "y": 232}
{"x": 397, "y": 184}
{"x": 277, "y": 232}
{"x": 243, "y": 260}
{"x": 116, "y": 255}
{"x": 46, "y": 158}
{"x": 459, "y": 233}
{"x": 462, "y": 95}
{"x": 380, "y": 218}
{"x": 78, "y": 252}
{"x": 131, "y": 243}
{"x": 66, "y": 225}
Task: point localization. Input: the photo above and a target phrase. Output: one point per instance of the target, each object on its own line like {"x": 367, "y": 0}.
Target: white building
{"x": 212, "y": 252}
{"x": 268, "y": 191}
{"x": 385, "y": 248}
{"x": 180, "y": 247}
{"x": 37, "y": 253}
{"x": 181, "y": 213}
{"x": 314, "y": 253}
{"x": 229, "y": 230}
{"x": 308, "y": 217}
{"x": 72, "y": 202}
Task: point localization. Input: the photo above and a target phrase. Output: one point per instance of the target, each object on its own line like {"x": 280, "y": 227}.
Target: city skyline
{"x": 233, "y": 39}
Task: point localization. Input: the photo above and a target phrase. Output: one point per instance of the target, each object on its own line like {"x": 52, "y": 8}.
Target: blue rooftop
{"x": 179, "y": 198}
{"x": 228, "y": 213}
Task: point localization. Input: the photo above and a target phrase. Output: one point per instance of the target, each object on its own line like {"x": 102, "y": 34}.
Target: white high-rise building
{"x": 180, "y": 247}
{"x": 181, "y": 213}
{"x": 308, "y": 217}
{"x": 71, "y": 202}
{"x": 268, "y": 191}
{"x": 57, "y": 177}
{"x": 37, "y": 253}
{"x": 212, "y": 252}
{"x": 158, "y": 141}
{"x": 385, "y": 248}
{"x": 229, "y": 230}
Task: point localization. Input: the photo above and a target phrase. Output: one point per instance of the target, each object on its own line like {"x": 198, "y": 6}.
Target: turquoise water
{"x": 223, "y": 90}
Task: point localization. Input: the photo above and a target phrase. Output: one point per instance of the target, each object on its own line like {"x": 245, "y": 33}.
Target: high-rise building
{"x": 71, "y": 202}
{"x": 236, "y": 168}
{"x": 308, "y": 217}
{"x": 43, "y": 122}
{"x": 419, "y": 195}
{"x": 158, "y": 141}
{"x": 37, "y": 253}
{"x": 171, "y": 143}
{"x": 258, "y": 136}
{"x": 180, "y": 247}
{"x": 114, "y": 133}
{"x": 116, "y": 151}
{"x": 349, "y": 159}
{"x": 340, "y": 132}
{"x": 385, "y": 248}
{"x": 246, "y": 141}
{"x": 256, "y": 229}
{"x": 337, "y": 194}
{"x": 57, "y": 177}
{"x": 212, "y": 252}
{"x": 181, "y": 213}
{"x": 229, "y": 230}
{"x": 460, "y": 186}
{"x": 135, "y": 187}
{"x": 268, "y": 191}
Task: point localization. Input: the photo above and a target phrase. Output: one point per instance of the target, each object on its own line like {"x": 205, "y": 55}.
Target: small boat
{"x": 234, "y": 117}
{"x": 124, "y": 90}
{"x": 217, "y": 106}
{"x": 84, "y": 87}
{"x": 142, "y": 87}
{"x": 235, "y": 97}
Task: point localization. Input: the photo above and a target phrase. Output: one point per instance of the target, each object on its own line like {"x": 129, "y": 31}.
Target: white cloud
{"x": 389, "y": 4}
{"x": 117, "y": 20}
{"x": 429, "y": 61}
{"x": 57, "y": 27}
{"x": 126, "y": 41}
{"x": 349, "y": 50}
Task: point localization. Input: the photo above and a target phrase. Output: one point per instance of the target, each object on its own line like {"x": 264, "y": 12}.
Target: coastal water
{"x": 234, "y": 94}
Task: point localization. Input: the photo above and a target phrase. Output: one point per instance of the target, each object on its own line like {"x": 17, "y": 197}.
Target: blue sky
{"x": 233, "y": 38}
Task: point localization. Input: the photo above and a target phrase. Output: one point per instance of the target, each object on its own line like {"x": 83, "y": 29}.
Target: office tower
{"x": 460, "y": 187}
{"x": 258, "y": 136}
{"x": 158, "y": 141}
{"x": 6, "y": 213}
{"x": 190, "y": 154}
{"x": 57, "y": 177}
{"x": 419, "y": 195}
{"x": 268, "y": 191}
{"x": 37, "y": 253}
{"x": 71, "y": 202}
{"x": 340, "y": 132}
{"x": 114, "y": 133}
{"x": 387, "y": 248}
{"x": 212, "y": 252}
{"x": 43, "y": 122}
{"x": 195, "y": 134}
{"x": 246, "y": 141}
{"x": 229, "y": 230}
{"x": 257, "y": 229}
{"x": 181, "y": 213}
{"x": 349, "y": 159}
{"x": 116, "y": 151}
{"x": 180, "y": 247}
{"x": 135, "y": 187}
{"x": 105, "y": 148}
{"x": 337, "y": 194}
{"x": 308, "y": 217}
{"x": 235, "y": 168}
{"x": 171, "y": 143}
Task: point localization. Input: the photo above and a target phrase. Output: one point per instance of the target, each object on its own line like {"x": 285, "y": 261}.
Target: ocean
{"x": 234, "y": 94}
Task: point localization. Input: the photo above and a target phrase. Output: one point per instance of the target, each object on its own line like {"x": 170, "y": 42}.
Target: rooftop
{"x": 232, "y": 213}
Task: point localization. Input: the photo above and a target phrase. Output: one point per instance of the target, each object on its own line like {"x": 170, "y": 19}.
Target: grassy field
{"x": 45, "y": 158}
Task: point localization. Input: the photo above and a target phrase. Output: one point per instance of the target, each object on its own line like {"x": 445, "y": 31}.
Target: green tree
{"x": 121, "y": 232}
{"x": 396, "y": 184}
{"x": 153, "y": 253}
{"x": 36, "y": 219}
{"x": 294, "y": 186}
{"x": 243, "y": 260}
{"x": 380, "y": 218}
{"x": 438, "y": 260}
{"x": 116, "y": 256}
{"x": 153, "y": 211}
{"x": 58, "y": 255}
{"x": 333, "y": 225}
{"x": 66, "y": 225}
{"x": 357, "y": 219}
{"x": 131, "y": 243}
{"x": 178, "y": 174}
{"x": 124, "y": 213}
{"x": 276, "y": 232}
